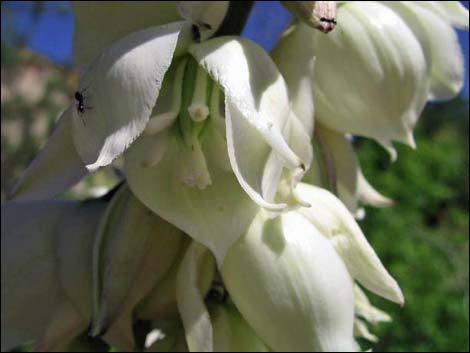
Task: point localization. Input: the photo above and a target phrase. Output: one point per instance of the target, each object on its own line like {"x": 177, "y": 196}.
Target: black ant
{"x": 81, "y": 107}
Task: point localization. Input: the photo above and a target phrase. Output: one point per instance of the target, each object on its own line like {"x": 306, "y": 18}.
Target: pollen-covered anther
{"x": 198, "y": 112}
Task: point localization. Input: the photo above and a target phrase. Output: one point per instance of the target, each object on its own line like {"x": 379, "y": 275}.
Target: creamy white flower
{"x": 291, "y": 286}
{"x": 375, "y": 71}
{"x": 191, "y": 171}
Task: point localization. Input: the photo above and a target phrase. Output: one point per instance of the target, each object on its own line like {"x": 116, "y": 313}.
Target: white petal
{"x": 294, "y": 57}
{"x": 133, "y": 251}
{"x": 56, "y": 168}
{"x": 97, "y": 25}
{"x": 334, "y": 221}
{"x": 120, "y": 89}
{"x": 369, "y": 195}
{"x": 441, "y": 46}
{"x": 256, "y": 109}
{"x": 216, "y": 216}
{"x": 291, "y": 286}
{"x": 193, "y": 311}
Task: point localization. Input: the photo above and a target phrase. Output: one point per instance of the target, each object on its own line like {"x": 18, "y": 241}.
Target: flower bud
{"x": 370, "y": 74}
{"x": 133, "y": 251}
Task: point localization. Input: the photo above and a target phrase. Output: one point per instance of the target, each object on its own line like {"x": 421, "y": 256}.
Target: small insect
{"x": 81, "y": 107}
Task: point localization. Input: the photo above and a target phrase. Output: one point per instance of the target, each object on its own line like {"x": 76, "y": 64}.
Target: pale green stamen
{"x": 198, "y": 109}
{"x": 162, "y": 121}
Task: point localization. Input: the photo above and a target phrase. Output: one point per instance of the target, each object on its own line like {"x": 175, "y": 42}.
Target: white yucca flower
{"x": 216, "y": 115}
{"x": 375, "y": 71}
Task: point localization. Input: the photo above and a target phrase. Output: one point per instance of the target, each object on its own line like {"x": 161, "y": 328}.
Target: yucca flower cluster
{"x": 234, "y": 227}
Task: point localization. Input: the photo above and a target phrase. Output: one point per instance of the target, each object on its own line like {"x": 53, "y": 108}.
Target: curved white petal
{"x": 256, "y": 110}
{"x": 452, "y": 11}
{"x": 57, "y": 167}
{"x": 133, "y": 251}
{"x": 441, "y": 47}
{"x": 216, "y": 216}
{"x": 97, "y": 25}
{"x": 335, "y": 222}
{"x": 120, "y": 89}
{"x": 291, "y": 286}
{"x": 197, "y": 263}
{"x": 369, "y": 195}
{"x": 370, "y": 74}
